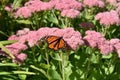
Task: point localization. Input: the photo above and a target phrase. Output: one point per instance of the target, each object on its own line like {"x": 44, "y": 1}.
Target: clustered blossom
{"x": 96, "y": 40}
{"x": 67, "y": 4}
{"x": 70, "y": 13}
{"x": 69, "y": 8}
{"x": 118, "y": 7}
{"x": 23, "y": 12}
{"x": 108, "y": 18}
{"x": 31, "y": 7}
{"x": 116, "y": 44}
{"x": 8, "y": 7}
{"x": 112, "y": 2}
{"x": 16, "y": 49}
{"x": 92, "y": 3}
{"x": 72, "y": 38}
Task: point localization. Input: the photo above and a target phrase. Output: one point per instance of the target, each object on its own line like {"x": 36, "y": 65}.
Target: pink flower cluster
{"x": 31, "y": 7}
{"x": 112, "y": 2}
{"x": 92, "y": 3}
{"x": 96, "y": 40}
{"x": 8, "y": 7}
{"x": 116, "y": 44}
{"x": 73, "y": 39}
{"x": 67, "y": 4}
{"x": 68, "y": 8}
{"x": 70, "y": 13}
{"x": 16, "y": 49}
{"x": 108, "y": 18}
{"x": 118, "y": 7}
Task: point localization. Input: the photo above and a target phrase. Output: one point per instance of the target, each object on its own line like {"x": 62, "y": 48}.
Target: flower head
{"x": 20, "y": 58}
{"x": 118, "y": 7}
{"x": 108, "y": 18}
{"x": 8, "y": 7}
{"x": 70, "y": 13}
{"x": 106, "y": 48}
{"x": 92, "y": 3}
{"x": 67, "y": 4}
{"x": 23, "y": 11}
{"x": 95, "y": 39}
{"x": 112, "y": 2}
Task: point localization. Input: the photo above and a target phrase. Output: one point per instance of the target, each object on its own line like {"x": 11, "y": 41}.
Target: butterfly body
{"x": 55, "y": 42}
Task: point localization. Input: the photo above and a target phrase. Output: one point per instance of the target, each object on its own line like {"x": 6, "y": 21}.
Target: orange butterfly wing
{"x": 55, "y": 42}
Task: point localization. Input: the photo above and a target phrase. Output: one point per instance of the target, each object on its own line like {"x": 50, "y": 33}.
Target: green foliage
{"x": 44, "y": 64}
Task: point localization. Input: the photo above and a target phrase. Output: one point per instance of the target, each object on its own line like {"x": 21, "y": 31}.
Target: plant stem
{"x": 63, "y": 66}
{"x": 47, "y": 58}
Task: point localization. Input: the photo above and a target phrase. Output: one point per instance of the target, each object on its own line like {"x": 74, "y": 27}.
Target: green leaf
{"x": 23, "y": 21}
{"x": 9, "y": 64}
{"x": 52, "y": 19}
{"x": 111, "y": 68}
{"x": 55, "y": 56}
{"x": 94, "y": 58}
{"x": 38, "y": 69}
{"x": 22, "y": 77}
{"x": 6, "y": 51}
{"x": 107, "y": 56}
{"x": 1, "y": 32}
{"x": 16, "y": 3}
{"x": 54, "y": 75}
{"x": 45, "y": 66}
{"x": 8, "y": 42}
{"x": 17, "y": 72}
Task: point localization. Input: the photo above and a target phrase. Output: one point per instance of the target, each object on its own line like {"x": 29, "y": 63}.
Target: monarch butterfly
{"x": 55, "y": 42}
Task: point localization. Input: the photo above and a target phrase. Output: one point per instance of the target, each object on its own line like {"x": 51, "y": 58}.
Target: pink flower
{"x": 23, "y": 32}
{"x": 118, "y": 51}
{"x": 32, "y": 39}
{"x": 93, "y": 38}
{"x": 8, "y": 7}
{"x": 33, "y": 5}
{"x": 2, "y": 53}
{"x": 67, "y": 4}
{"x": 70, "y": 13}
{"x": 15, "y": 48}
{"x": 112, "y": 2}
{"x": 117, "y": 48}
{"x": 73, "y": 38}
{"x": 114, "y": 41}
{"x": 106, "y": 48}
{"x": 13, "y": 37}
{"x": 101, "y": 4}
{"x": 92, "y": 3}
{"x": 37, "y": 5}
{"x": 20, "y": 58}
{"x": 23, "y": 11}
{"x": 108, "y": 18}
{"x": 118, "y": 7}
